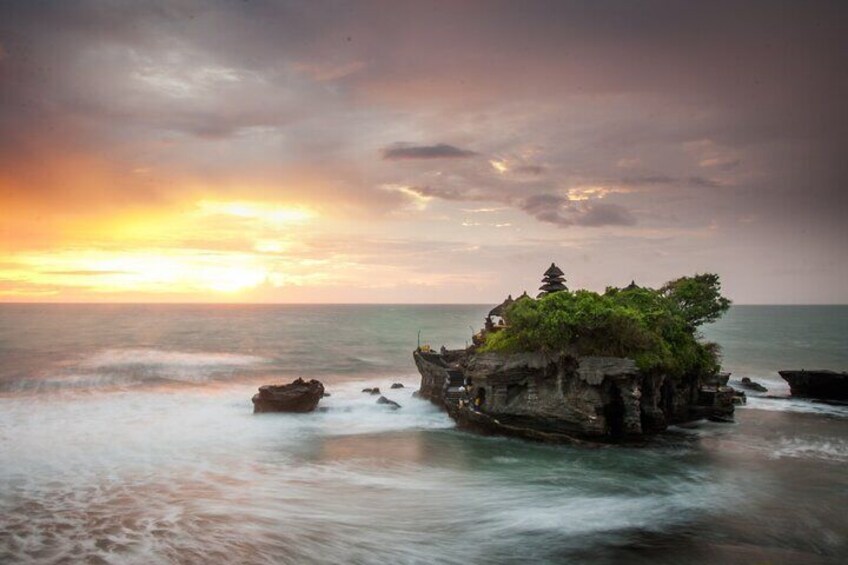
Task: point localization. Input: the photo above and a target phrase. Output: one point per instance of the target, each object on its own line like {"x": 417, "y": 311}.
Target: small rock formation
{"x": 397, "y": 385}
{"x": 297, "y": 396}
{"x": 391, "y": 403}
{"x": 372, "y": 391}
{"x": 824, "y": 384}
{"x": 752, "y": 385}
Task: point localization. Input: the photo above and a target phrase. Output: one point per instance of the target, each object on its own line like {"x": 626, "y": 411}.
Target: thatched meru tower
{"x": 553, "y": 281}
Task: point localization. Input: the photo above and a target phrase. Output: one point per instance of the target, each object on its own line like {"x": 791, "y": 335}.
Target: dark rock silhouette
{"x": 391, "y": 403}
{"x": 297, "y": 396}
{"x": 824, "y": 384}
{"x": 752, "y": 385}
{"x": 397, "y": 385}
{"x": 372, "y": 391}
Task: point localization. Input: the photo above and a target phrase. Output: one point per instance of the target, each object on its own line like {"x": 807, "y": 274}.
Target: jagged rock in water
{"x": 391, "y": 403}
{"x": 824, "y": 384}
{"x": 747, "y": 383}
{"x": 553, "y": 397}
{"x": 397, "y": 385}
{"x": 297, "y": 396}
{"x": 372, "y": 391}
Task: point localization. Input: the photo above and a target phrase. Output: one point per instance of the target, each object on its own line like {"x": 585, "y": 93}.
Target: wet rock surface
{"x": 372, "y": 391}
{"x": 297, "y": 396}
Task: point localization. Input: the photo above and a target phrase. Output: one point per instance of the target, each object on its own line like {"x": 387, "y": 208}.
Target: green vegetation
{"x": 657, "y": 328}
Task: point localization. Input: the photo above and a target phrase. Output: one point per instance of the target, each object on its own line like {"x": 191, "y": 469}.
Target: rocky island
{"x": 822, "y": 384}
{"x": 581, "y": 366}
{"x": 297, "y": 396}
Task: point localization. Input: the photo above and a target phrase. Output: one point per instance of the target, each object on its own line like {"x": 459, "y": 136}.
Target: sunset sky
{"x": 258, "y": 151}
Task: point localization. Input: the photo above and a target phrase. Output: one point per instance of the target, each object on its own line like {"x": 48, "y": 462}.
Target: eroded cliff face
{"x": 600, "y": 397}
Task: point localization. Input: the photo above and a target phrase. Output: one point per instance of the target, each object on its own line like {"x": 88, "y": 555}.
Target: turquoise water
{"x": 126, "y": 436}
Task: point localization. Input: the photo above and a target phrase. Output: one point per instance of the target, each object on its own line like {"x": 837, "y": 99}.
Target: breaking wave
{"x": 121, "y": 368}
{"x": 832, "y": 449}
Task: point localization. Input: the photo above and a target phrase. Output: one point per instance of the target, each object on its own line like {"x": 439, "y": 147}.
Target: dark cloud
{"x": 703, "y": 182}
{"x": 598, "y": 214}
{"x": 451, "y": 194}
{"x": 529, "y": 169}
{"x": 646, "y": 180}
{"x": 438, "y": 151}
{"x": 655, "y": 180}
{"x": 561, "y": 211}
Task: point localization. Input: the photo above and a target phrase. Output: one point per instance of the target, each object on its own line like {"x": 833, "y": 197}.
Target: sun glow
{"x": 213, "y": 247}
{"x": 269, "y": 213}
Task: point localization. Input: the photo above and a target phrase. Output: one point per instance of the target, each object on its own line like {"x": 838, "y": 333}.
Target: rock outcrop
{"x": 391, "y": 403}
{"x": 397, "y": 385}
{"x": 747, "y": 383}
{"x": 823, "y": 384}
{"x": 372, "y": 391}
{"x": 561, "y": 397}
{"x": 297, "y": 396}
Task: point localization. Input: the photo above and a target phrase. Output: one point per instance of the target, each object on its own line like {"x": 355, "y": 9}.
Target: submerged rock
{"x": 297, "y": 396}
{"x": 397, "y": 385}
{"x": 825, "y": 384}
{"x": 391, "y": 403}
{"x": 752, "y": 385}
{"x": 372, "y": 391}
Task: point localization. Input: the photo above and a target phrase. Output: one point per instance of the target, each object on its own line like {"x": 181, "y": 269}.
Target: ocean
{"x": 127, "y": 436}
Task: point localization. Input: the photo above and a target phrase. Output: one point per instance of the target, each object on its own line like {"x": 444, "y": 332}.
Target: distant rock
{"x": 824, "y": 384}
{"x": 372, "y": 391}
{"x": 297, "y": 396}
{"x": 326, "y": 394}
{"x": 397, "y": 385}
{"x": 752, "y": 385}
{"x": 391, "y": 403}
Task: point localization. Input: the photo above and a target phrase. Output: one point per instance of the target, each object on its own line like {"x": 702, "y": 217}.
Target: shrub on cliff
{"x": 657, "y": 328}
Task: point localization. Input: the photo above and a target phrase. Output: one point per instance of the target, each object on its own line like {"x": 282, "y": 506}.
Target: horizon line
{"x": 82, "y": 303}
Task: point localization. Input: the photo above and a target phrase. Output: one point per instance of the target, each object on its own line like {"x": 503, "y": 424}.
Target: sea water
{"x": 127, "y": 436}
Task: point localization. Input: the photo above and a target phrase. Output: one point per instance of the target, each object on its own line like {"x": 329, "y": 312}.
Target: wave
{"x": 790, "y": 404}
{"x": 121, "y": 368}
{"x": 161, "y": 358}
{"x": 830, "y": 450}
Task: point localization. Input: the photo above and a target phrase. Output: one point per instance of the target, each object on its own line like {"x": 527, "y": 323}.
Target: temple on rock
{"x": 562, "y": 395}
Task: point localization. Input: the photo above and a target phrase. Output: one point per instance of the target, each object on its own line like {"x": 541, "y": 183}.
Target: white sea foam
{"x": 832, "y": 449}
{"x": 161, "y": 358}
{"x": 121, "y": 368}
{"x": 789, "y": 404}
{"x": 194, "y": 475}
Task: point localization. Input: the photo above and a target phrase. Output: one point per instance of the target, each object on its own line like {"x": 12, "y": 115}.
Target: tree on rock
{"x": 698, "y": 299}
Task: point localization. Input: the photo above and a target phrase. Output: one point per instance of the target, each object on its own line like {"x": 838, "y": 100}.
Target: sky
{"x": 420, "y": 152}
